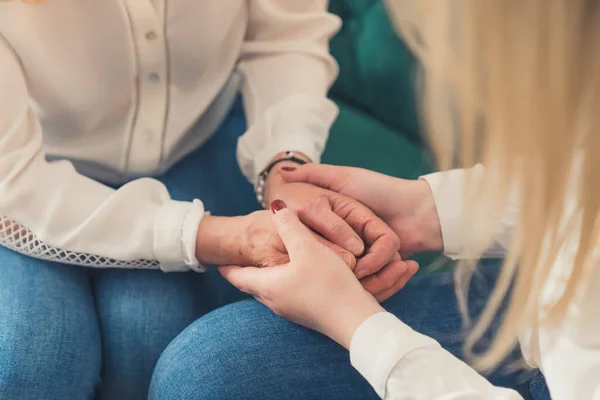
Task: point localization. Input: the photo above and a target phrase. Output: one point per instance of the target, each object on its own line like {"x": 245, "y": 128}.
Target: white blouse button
{"x": 151, "y": 35}
{"x": 148, "y": 136}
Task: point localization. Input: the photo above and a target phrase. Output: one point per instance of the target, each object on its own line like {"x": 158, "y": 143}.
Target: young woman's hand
{"x": 407, "y": 206}
{"x": 315, "y": 289}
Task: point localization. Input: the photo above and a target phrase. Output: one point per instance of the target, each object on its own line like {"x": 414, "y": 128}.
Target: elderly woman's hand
{"x": 315, "y": 289}
{"x": 249, "y": 240}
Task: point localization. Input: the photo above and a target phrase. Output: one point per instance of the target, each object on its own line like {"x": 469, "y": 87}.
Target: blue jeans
{"x": 244, "y": 351}
{"x": 73, "y": 333}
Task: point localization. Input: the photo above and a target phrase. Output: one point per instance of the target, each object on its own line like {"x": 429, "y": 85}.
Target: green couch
{"x": 378, "y": 126}
{"x": 375, "y": 92}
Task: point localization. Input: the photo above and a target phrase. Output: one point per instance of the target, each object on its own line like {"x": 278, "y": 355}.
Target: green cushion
{"x": 377, "y": 71}
{"x": 358, "y": 139}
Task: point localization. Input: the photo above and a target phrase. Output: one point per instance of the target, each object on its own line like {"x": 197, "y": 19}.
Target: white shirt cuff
{"x": 175, "y": 230}
{"x": 300, "y": 123}
{"x": 379, "y": 344}
{"x": 448, "y": 191}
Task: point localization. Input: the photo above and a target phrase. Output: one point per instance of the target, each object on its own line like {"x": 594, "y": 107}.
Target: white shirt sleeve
{"x": 448, "y": 189}
{"x": 402, "y": 364}
{"x": 570, "y": 357}
{"x": 49, "y": 211}
{"x": 287, "y": 71}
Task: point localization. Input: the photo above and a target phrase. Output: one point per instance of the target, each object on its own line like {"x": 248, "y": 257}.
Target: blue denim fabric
{"x": 71, "y": 333}
{"x": 539, "y": 389}
{"x": 244, "y": 351}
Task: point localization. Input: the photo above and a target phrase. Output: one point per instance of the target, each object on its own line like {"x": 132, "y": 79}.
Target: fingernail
{"x": 362, "y": 273}
{"x": 288, "y": 169}
{"x": 277, "y": 205}
{"x": 354, "y": 246}
{"x": 348, "y": 259}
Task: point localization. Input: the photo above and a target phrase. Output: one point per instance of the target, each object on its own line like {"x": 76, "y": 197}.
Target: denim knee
{"x": 49, "y": 338}
{"x": 244, "y": 351}
{"x": 208, "y": 358}
{"x": 57, "y": 364}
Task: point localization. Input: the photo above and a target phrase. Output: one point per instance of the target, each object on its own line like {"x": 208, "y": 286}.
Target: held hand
{"x": 250, "y": 240}
{"x": 342, "y": 220}
{"x": 315, "y": 289}
{"x": 345, "y": 222}
{"x": 407, "y": 206}
{"x": 349, "y": 224}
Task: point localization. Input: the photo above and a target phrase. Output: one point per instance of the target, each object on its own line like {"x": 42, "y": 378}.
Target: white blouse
{"x": 113, "y": 87}
{"x": 403, "y": 364}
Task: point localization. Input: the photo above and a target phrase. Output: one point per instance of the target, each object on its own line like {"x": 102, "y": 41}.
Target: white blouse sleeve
{"x": 402, "y": 364}
{"x": 448, "y": 188}
{"x": 287, "y": 72}
{"x": 570, "y": 357}
{"x": 49, "y": 211}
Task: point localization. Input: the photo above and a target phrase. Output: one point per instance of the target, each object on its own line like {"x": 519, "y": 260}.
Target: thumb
{"x": 293, "y": 233}
{"x": 326, "y": 176}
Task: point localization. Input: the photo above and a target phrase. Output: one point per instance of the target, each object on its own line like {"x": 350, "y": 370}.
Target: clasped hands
{"x": 323, "y": 210}
{"x": 332, "y": 247}
{"x": 349, "y": 211}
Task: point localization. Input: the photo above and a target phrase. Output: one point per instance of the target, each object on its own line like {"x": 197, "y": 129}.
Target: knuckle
{"x": 371, "y": 284}
{"x": 274, "y": 259}
{"x": 315, "y": 202}
{"x": 284, "y": 222}
{"x": 337, "y": 226}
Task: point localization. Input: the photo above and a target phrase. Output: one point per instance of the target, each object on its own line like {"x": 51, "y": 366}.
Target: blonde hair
{"x": 514, "y": 85}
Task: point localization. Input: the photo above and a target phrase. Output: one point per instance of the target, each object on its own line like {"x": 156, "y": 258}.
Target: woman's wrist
{"x": 345, "y": 320}
{"x": 274, "y": 180}
{"x": 215, "y": 239}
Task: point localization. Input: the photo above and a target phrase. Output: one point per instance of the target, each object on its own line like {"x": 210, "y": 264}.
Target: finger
{"x": 331, "y": 226}
{"x": 384, "y": 244}
{"x": 348, "y": 257}
{"x": 381, "y": 241}
{"x": 326, "y": 176}
{"x": 412, "y": 268}
{"x": 294, "y": 235}
{"x": 246, "y": 279}
{"x": 385, "y": 278}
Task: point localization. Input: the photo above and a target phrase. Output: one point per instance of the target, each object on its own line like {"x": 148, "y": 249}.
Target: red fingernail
{"x": 288, "y": 169}
{"x": 277, "y": 205}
